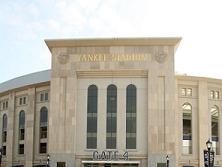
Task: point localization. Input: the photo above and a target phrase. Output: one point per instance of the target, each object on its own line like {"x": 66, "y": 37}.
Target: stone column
{"x": 161, "y": 109}
{"x": 62, "y": 115}
{"x": 29, "y": 128}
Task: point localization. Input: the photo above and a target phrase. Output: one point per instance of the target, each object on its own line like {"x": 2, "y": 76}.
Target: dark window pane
{"x": 130, "y": 142}
{"x": 61, "y": 164}
{"x": 130, "y": 125}
{"x": 6, "y": 104}
{"x": 131, "y": 117}
{"x": 111, "y": 120}
{"x": 43, "y": 148}
{"x": 4, "y": 128}
{"x": 3, "y": 105}
{"x": 161, "y": 164}
{"x": 43, "y": 132}
{"x": 92, "y": 117}
{"x": 187, "y": 128}
{"x": 21, "y": 134}
{"x": 4, "y": 122}
{"x": 20, "y": 101}
{"x": 214, "y": 129}
{"x": 110, "y": 142}
{"x": 4, "y": 136}
{"x": 43, "y": 116}
{"x": 24, "y": 100}
{"x": 92, "y": 124}
{"x": 46, "y": 96}
{"x": 111, "y": 124}
{"x": 3, "y": 150}
{"x": 41, "y": 97}
{"x": 91, "y": 142}
{"x": 21, "y": 148}
{"x": 21, "y": 119}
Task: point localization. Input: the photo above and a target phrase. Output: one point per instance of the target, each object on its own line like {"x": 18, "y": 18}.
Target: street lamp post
{"x": 209, "y": 146}
{"x": 0, "y": 157}
{"x": 48, "y": 159}
{"x": 167, "y": 158}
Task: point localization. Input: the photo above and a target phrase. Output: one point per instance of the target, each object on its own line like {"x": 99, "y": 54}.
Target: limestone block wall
{"x": 31, "y": 154}
{"x": 76, "y": 60}
{"x": 201, "y": 103}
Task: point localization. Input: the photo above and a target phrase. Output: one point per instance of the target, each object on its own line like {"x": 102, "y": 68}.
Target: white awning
{"x": 111, "y": 162}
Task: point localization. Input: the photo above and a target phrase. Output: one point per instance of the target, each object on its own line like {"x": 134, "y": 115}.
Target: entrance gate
{"x": 110, "y": 163}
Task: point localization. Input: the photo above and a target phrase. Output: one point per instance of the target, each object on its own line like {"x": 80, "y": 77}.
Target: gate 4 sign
{"x": 206, "y": 157}
{"x": 110, "y": 155}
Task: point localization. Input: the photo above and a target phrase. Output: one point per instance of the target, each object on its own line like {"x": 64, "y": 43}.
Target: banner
{"x": 206, "y": 158}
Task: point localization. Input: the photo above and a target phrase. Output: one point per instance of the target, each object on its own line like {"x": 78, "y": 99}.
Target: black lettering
{"x": 103, "y": 155}
{"x": 125, "y": 155}
{"x": 115, "y": 155}
{"x": 95, "y": 155}
{"x": 109, "y": 155}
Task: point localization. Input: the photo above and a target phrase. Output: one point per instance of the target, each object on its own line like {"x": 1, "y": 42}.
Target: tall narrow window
{"x": 4, "y": 128}
{"x": 43, "y": 130}
{"x": 22, "y": 125}
{"x": 3, "y": 150}
{"x": 6, "y": 104}
{"x": 131, "y": 117}
{"x": 43, "y": 148}
{"x": 43, "y": 122}
{"x": 21, "y": 149}
{"x": 92, "y": 101}
{"x": 111, "y": 119}
{"x": 215, "y": 128}
{"x": 187, "y": 128}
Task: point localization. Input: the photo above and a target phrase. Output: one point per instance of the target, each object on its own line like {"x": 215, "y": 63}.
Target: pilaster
{"x": 10, "y": 129}
{"x": 203, "y": 119}
{"x": 29, "y": 128}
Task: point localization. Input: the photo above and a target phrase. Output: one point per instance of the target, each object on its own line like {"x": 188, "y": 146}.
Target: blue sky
{"x": 24, "y": 25}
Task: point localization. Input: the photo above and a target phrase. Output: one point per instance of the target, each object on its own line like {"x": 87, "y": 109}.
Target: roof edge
{"x": 167, "y": 41}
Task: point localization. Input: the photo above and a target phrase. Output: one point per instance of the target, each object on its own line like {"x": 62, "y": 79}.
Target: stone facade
{"x": 147, "y": 63}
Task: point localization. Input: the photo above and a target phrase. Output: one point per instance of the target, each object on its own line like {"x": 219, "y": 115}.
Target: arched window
{"x": 43, "y": 116}
{"x": 131, "y": 117}
{"x": 4, "y": 133}
{"x": 215, "y": 129}
{"x": 187, "y": 128}
{"x": 43, "y": 130}
{"x": 4, "y": 128}
{"x": 92, "y": 101}
{"x": 43, "y": 122}
{"x": 22, "y": 125}
{"x": 21, "y": 131}
{"x": 111, "y": 117}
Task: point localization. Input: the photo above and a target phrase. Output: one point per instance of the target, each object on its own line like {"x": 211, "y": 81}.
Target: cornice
{"x": 167, "y": 41}
{"x": 109, "y": 74}
{"x": 196, "y": 78}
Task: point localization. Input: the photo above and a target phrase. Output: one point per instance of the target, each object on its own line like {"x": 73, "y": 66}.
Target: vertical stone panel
{"x": 121, "y": 118}
{"x": 101, "y": 118}
{"x": 161, "y": 109}
{"x": 29, "y": 127}
{"x": 10, "y": 129}
{"x": 204, "y": 119}
{"x": 161, "y": 113}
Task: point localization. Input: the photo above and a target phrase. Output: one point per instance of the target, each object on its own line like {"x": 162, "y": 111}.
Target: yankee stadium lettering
{"x": 113, "y": 57}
